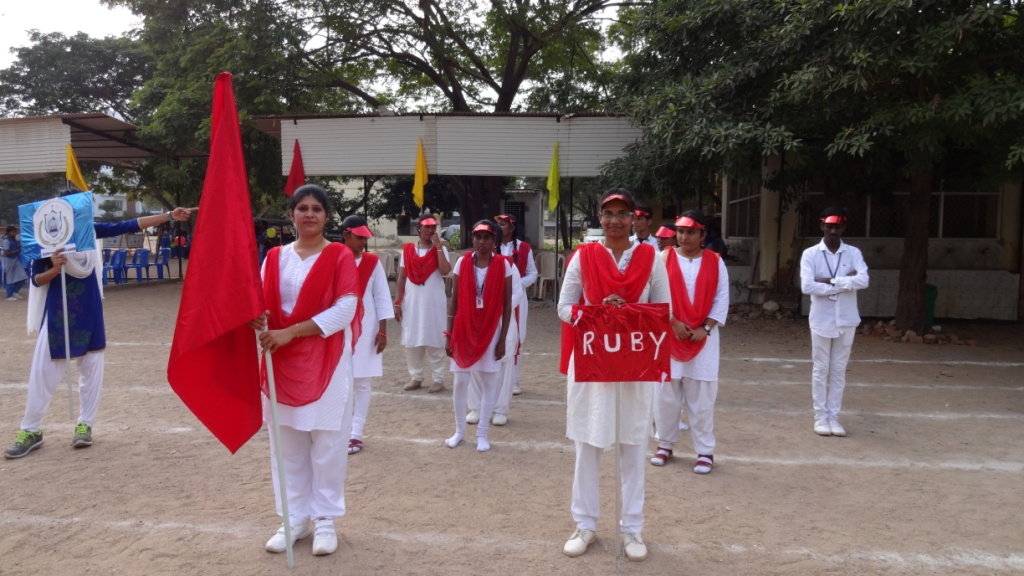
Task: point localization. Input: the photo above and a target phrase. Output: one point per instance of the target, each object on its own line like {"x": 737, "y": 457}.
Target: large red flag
{"x": 297, "y": 175}
{"x": 214, "y": 366}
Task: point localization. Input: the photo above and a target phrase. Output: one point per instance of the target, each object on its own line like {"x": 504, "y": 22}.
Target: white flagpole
{"x": 282, "y": 485}
{"x": 67, "y": 342}
{"x": 618, "y": 476}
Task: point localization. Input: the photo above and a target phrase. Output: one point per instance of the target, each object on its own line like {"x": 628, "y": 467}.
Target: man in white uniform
{"x": 831, "y": 272}
{"x": 642, "y": 226}
{"x": 376, "y": 309}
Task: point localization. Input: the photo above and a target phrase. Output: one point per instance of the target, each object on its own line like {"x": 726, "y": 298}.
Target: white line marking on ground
{"x": 888, "y": 360}
{"x": 953, "y": 559}
{"x": 976, "y": 388}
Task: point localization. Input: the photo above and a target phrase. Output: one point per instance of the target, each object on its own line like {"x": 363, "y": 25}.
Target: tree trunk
{"x": 910, "y": 302}
{"x": 479, "y": 201}
{"x": 565, "y": 231}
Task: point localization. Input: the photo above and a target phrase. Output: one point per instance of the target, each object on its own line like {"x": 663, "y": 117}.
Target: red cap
{"x": 665, "y": 232}
{"x": 687, "y": 222}
{"x": 428, "y": 221}
{"x": 361, "y": 231}
{"x": 834, "y": 219}
{"x": 641, "y": 213}
{"x": 481, "y": 227}
{"x": 616, "y": 197}
{"x": 506, "y": 218}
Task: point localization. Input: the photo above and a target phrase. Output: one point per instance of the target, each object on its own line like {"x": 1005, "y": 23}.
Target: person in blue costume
{"x": 83, "y": 272}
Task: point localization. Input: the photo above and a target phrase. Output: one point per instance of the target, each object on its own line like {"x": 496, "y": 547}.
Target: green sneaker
{"x": 24, "y": 443}
{"x": 83, "y": 436}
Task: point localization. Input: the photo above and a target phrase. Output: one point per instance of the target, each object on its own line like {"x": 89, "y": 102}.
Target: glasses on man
{"x": 620, "y": 216}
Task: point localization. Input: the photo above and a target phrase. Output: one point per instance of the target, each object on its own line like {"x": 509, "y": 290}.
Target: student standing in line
{"x": 666, "y": 237}
{"x": 831, "y": 272}
{"x": 642, "y": 226}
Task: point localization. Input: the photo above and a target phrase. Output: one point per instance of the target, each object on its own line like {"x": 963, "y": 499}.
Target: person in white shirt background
{"x": 831, "y": 272}
{"x": 367, "y": 359}
{"x": 642, "y": 226}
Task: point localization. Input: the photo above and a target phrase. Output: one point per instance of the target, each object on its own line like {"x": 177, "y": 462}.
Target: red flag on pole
{"x": 214, "y": 366}
{"x": 297, "y": 175}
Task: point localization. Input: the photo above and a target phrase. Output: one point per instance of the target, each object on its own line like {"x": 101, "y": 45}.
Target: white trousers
{"x": 315, "y": 463}
{"x": 488, "y": 383}
{"x": 360, "y": 405}
{"x": 420, "y": 357}
{"x": 828, "y": 377}
{"x": 46, "y": 374}
{"x": 586, "y": 502}
{"x": 503, "y": 396}
{"x": 699, "y": 397}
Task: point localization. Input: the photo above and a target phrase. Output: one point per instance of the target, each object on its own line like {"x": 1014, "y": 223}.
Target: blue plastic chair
{"x": 140, "y": 263}
{"x": 106, "y": 256}
{"x": 163, "y": 260}
{"x": 116, "y": 269}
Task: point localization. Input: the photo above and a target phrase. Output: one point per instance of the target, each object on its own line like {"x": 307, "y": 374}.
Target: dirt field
{"x": 930, "y": 479}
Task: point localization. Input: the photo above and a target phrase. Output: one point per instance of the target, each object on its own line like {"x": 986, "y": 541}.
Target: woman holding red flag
{"x": 478, "y": 324}
{"x": 612, "y": 272}
{"x": 310, "y": 289}
{"x": 700, "y": 304}
{"x": 420, "y": 304}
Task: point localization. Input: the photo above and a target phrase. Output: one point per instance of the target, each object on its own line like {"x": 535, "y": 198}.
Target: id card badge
{"x": 479, "y": 302}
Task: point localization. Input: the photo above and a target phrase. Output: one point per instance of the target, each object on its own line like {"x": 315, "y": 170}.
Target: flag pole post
{"x": 67, "y": 342}
{"x": 275, "y": 431}
{"x": 618, "y": 475}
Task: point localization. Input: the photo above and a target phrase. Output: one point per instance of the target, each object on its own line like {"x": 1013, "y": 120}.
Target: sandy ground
{"x": 930, "y": 479}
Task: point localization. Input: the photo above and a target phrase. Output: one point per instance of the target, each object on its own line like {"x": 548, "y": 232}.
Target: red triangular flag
{"x": 214, "y": 366}
{"x": 297, "y": 175}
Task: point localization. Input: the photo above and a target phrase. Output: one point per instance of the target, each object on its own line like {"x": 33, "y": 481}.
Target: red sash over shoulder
{"x": 367, "y": 265}
{"x": 695, "y": 313}
{"x": 418, "y": 268}
{"x": 601, "y": 278}
{"x": 521, "y": 254}
{"x": 473, "y": 328}
{"x": 303, "y": 368}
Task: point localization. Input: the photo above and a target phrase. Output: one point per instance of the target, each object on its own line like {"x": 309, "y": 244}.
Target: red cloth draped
{"x": 567, "y": 334}
{"x": 695, "y": 313}
{"x": 473, "y": 328}
{"x": 418, "y": 268}
{"x": 365, "y": 270}
{"x": 303, "y": 368}
{"x": 521, "y": 254}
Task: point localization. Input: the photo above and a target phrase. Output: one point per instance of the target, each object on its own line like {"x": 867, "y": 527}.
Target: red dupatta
{"x": 695, "y": 313}
{"x": 304, "y": 367}
{"x": 521, "y": 253}
{"x": 418, "y": 268}
{"x": 473, "y": 328}
{"x": 365, "y": 271}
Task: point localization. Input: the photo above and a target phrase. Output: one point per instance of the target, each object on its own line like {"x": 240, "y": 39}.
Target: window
{"x": 743, "y": 219}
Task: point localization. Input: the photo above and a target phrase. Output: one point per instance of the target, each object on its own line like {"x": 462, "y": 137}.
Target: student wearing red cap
{"x": 613, "y": 272}
{"x": 642, "y": 226}
{"x": 373, "y": 312}
{"x": 478, "y": 326}
{"x": 700, "y": 304}
{"x": 831, "y": 272}
{"x": 420, "y": 304}
{"x": 666, "y": 237}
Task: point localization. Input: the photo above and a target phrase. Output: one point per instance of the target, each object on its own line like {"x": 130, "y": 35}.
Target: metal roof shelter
{"x": 34, "y": 147}
{"x": 466, "y": 144}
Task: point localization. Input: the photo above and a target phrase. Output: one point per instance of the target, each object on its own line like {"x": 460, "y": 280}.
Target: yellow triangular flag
{"x": 74, "y": 173}
{"x": 420, "y": 180}
{"x": 553, "y": 180}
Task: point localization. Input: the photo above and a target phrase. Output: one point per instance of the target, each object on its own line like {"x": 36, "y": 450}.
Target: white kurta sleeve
{"x": 338, "y": 316}
{"x": 531, "y": 271}
{"x": 572, "y": 289}
{"x": 381, "y": 293}
{"x": 720, "y": 305}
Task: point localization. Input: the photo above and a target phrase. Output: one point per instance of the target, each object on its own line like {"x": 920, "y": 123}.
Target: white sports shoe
{"x": 835, "y": 428}
{"x": 473, "y": 417}
{"x": 276, "y": 544}
{"x": 634, "y": 547}
{"x": 516, "y": 390}
{"x": 578, "y": 542}
{"x": 325, "y": 539}
{"x": 499, "y": 419}
{"x": 821, "y": 427}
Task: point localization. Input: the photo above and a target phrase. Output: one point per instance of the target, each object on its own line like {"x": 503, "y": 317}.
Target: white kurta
{"x": 590, "y": 411}
{"x": 520, "y": 299}
{"x": 704, "y": 366}
{"x": 424, "y": 308}
{"x": 487, "y": 362}
{"x": 366, "y": 363}
{"x": 327, "y": 412}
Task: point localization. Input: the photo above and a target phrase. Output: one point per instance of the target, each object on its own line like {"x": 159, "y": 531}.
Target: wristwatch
{"x": 832, "y": 281}
{"x": 707, "y": 329}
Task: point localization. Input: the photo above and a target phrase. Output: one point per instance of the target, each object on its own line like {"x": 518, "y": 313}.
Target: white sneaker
{"x": 276, "y": 544}
{"x": 835, "y": 428}
{"x": 634, "y": 546}
{"x": 578, "y": 542}
{"x": 473, "y": 417}
{"x": 499, "y": 419}
{"x": 12, "y": 299}
{"x": 683, "y": 426}
{"x": 18, "y": 296}
{"x": 821, "y": 427}
{"x": 516, "y": 390}
{"x": 325, "y": 539}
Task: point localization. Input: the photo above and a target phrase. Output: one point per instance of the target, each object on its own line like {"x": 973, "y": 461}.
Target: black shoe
{"x": 24, "y": 443}
{"x": 83, "y": 436}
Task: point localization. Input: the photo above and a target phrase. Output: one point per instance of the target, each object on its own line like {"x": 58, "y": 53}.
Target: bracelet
{"x": 169, "y": 217}
{"x": 384, "y": 334}
{"x": 295, "y": 333}
{"x": 447, "y": 334}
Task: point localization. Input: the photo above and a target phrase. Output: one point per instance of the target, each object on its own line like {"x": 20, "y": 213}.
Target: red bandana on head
{"x": 695, "y": 313}
{"x": 303, "y": 368}
{"x": 419, "y": 268}
{"x": 473, "y": 328}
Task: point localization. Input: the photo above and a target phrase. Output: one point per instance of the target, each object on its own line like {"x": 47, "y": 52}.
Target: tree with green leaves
{"x": 875, "y": 94}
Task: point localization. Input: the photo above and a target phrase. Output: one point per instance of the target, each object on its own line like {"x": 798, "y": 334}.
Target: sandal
{"x": 704, "y": 463}
{"x": 661, "y": 456}
{"x": 355, "y": 446}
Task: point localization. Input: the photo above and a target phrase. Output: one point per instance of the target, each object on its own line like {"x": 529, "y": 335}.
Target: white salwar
{"x": 366, "y": 362}
{"x": 424, "y": 308}
{"x": 695, "y": 382}
{"x": 314, "y": 437}
{"x": 590, "y": 413}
